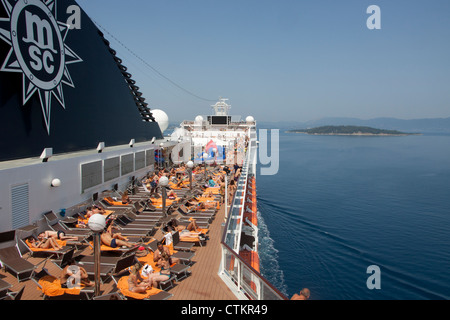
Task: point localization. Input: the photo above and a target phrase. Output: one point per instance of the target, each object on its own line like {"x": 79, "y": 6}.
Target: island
{"x": 351, "y": 130}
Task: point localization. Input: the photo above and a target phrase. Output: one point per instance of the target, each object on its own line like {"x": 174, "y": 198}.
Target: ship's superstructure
{"x": 222, "y": 138}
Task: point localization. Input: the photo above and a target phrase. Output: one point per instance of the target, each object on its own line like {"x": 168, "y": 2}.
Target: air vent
{"x": 20, "y": 206}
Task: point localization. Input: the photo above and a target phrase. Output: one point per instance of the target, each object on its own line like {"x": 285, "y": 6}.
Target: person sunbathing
{"x": 73, "y": 272}
{"x": 199, "y": 205}
{"x": 164, "y": 274}
{"x": 49, "y": 243}
{"x": 57, "y": 235}
{"x": 190, "y": 231}
{"x": 125, "y": 198}
{"x": 135, "y": 281}
{"x": 192, "y": 226}
{"x": 159, "y": 250}
{"x": 98, "y": 209}
{"x": 208, "y": 194}
{"x": 114, "y": 240}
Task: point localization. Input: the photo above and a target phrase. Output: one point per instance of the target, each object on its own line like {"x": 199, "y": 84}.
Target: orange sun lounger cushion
{"x": 122, "y": 285}
{"x": 51, "y": 287}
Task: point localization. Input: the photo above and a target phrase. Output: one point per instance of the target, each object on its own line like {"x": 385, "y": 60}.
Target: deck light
{"x": 97, "y": 223}
{"x": 164, "y": 182}
{"x": 46, "y": 154}
{"x": 100, "y": 147}
{"x": 190, "y": 165}
{"x": 55, "y": 182}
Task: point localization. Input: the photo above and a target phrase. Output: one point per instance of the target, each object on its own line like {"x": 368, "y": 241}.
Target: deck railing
{"x": 241, "y": 277}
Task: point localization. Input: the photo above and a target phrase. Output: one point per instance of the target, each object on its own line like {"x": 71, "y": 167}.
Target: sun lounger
{"x": 105, "y": 270}
{"x": 136, "y": 232}
{"x": 51, "y": 286}
{"x": 122, "y": 285}
{"x": 110, "y": 296}
{"x": 163, "y": 295}
{"x": 185, "y": 257}
{"x": 54, "y": 224}
{"x": 25, "y": 244}
{"x": 4, "y": 287}
{"x": 180, "y": 271}
{"x": 112, "y": 204}
{"x": 181, "y": 245}
{"x": 197, "y": 216}
{"x": 130, "y": 217}
{"x": 118, "y": 263}
{"x": 15, "y": 295}
{"x": 11, "y": 260}
{"x": 82, "y": 234}
{"x": 118, "y": 250}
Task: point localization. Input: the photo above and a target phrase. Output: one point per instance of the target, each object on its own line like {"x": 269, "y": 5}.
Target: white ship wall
{"x": 42, "y": 197}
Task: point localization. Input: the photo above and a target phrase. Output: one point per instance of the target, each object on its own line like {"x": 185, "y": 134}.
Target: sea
{"x": 357, "y": 217}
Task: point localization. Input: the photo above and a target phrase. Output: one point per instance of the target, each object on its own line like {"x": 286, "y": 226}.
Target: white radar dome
{"x": 249, "y": 119}
{"x": 162, "y": 119}
{"x": 97, "y": 222}
{"x": 198, "y": 119}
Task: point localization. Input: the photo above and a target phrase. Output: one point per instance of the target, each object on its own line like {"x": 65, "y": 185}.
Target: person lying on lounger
{"x": 98, "y": 209}
{"x": 60, "y": 235}
{"x": 171, "y": 194}
{"x": 191, "y": 231}
{"x": 199, "y": 205}
{"x": 174, "y": 226}
{"x": 114, "y": 240}
{"x": 49, "y": 243}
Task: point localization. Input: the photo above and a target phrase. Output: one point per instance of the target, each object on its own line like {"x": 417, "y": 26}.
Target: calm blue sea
{"x": 340, "y": 204}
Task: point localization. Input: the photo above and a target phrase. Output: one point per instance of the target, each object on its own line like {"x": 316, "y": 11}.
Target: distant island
{"x": 350, "y": 130}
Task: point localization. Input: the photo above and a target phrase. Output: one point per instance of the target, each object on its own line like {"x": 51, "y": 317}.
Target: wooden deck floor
{"x": 203, "y": 283}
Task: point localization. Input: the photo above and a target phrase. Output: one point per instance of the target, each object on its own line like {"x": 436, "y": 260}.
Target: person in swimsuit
{"x": 164, "y": 274}
{"x": 125, "y": 198}
{"x": 73, "y": 273}
{"x": 60, "y": 235}
{"x": 160, "y": 249}
{"x": 114, "y": 240}
{"x": 49, "y": 243}
{"x": 174, "y": 226}
{"x": 135, "y": 281}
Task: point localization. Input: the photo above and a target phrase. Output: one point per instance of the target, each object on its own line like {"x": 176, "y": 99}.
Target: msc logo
{"x": 37, "y": 50}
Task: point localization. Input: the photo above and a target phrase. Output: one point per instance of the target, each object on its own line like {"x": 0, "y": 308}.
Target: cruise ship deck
{"x": 203, "y": 283}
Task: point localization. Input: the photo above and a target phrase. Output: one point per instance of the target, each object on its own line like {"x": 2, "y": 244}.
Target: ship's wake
{"x": 268, "y": 256}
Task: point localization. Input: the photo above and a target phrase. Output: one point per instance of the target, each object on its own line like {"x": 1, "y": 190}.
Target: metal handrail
{"x": 231, "y": 250}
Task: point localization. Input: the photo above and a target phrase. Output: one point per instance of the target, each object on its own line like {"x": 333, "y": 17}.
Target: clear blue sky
{"x": 286, "y": 59}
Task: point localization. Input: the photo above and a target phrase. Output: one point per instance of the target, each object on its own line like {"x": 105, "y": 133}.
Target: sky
{"x": 284, "y": 60}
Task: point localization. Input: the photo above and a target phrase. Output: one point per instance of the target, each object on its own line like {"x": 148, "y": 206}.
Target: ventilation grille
{"x": 20, "y": 206}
